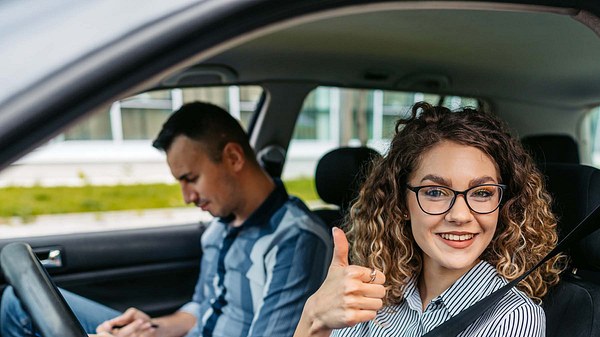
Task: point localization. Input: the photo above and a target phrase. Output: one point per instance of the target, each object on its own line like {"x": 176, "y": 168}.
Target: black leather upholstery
{"x": 576, "y": 192}
{"x": 552, "y": 148}
{"x": 272, "y": 158}
{"x": 573, "y": 307}
{"x": 338, "y": 177}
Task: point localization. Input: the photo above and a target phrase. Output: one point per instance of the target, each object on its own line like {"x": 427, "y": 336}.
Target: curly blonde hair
{"x": 526, "y": 229}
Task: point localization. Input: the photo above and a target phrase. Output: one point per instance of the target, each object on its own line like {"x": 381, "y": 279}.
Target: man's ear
{"x": 233, "y": 156}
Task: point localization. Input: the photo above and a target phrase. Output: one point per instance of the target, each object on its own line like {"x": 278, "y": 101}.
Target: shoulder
{"x": 517, "y": 315}
{"x": 295, "y": 217}
{"x": 514, "y": 315}
{"x": 520, "y": 306}
{"x": 524, "y": 319}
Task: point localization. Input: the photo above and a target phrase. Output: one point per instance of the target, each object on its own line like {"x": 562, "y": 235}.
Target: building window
{"x": 348, "y": 115}
{"x": 140, "y": 117}
{"x": 95, "y": 127}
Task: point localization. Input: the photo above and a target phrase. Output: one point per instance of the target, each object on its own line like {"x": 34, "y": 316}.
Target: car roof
{"x": 67, "y": 58}
{"x": 548, "y": 57}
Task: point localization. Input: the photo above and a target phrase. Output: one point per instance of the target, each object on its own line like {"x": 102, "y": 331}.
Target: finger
{"x": 126, "y": 318}
{"x": 374, "y": 291}
{"x": 340, "y": 248}
{"x": 371, "y": 275}
{"x": 130, "y": 329}
{"x": 148, "y": 330}
{"x": 372, "y": 304}
{"x": 357, "y": 316}
{"x": 106, "y": 326}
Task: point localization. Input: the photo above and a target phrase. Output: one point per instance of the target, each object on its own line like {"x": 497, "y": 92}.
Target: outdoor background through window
{"x": 103, "y": 173}
{"x": 332, "y": 117}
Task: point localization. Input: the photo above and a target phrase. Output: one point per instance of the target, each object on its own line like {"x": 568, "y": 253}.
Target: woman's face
{"x": 452, "y": 241}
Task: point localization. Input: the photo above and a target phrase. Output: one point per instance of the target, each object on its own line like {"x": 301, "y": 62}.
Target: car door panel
{"x": 154, "y": 269}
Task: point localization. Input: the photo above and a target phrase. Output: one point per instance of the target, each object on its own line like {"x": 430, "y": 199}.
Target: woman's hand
{"x": 349, "y": 295}
{"x": 132, "y": 323}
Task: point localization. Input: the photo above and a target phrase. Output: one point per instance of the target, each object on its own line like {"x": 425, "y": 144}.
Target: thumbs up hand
{"x": 349, "y": 295}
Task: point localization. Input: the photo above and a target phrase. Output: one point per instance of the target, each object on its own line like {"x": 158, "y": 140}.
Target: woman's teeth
{"x": 454, "y": 237}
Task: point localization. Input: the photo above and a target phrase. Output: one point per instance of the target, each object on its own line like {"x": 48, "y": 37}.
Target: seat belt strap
{"x": 458, "y": 323}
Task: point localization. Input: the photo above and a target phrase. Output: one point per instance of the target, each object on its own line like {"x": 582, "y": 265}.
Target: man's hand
{"x": 133, "y": 323}
{"x": 349, "y": 295}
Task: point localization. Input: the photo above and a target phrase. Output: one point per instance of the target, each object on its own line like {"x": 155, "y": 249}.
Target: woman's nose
{"x": 460, "y": 211}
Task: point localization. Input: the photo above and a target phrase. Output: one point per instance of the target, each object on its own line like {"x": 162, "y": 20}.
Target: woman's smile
{"x": 458, "y": 240}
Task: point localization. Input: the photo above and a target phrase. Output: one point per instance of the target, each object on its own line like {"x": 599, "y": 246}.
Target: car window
{"x": 594, "y": 134}
{"x": 332, "y": 117}
{"x": 103, "y": 173}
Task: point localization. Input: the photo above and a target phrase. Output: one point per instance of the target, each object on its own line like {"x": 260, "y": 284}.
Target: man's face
{"x": 205, "y": 183}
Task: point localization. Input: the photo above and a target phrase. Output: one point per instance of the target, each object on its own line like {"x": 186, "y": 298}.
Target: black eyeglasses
{"x": 436, "y": 200}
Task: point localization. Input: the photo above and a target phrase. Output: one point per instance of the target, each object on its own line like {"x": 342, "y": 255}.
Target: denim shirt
{"x": 270, "y": 265}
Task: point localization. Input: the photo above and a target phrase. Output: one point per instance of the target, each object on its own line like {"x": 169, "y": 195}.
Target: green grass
{"x": 303, "y": 188}
{"x": 28, "y": 202}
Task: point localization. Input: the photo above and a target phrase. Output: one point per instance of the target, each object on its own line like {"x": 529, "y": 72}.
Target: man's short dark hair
{"x": 206, "y": 123}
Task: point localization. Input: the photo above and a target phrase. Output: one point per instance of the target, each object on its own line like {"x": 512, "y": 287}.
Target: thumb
{"x": 340, "y": 248}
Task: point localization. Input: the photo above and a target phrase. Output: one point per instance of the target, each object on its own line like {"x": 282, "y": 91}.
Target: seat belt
{"x": 458, "y": 323}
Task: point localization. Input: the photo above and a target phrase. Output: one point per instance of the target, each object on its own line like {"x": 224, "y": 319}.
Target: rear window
{"x": 594, "y": 134}
{"x": 332, "y": 117}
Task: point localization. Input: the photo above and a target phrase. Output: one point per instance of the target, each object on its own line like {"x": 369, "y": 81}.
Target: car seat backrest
{"x": 576, "y": 192}
{"x": 552, "y": 148}
{"x": 573, "y": 306}
{"x": 338, "y": 178}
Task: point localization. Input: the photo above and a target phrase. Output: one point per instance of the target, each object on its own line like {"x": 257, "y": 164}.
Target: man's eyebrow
{"x": 436, "y": 179}
{"x": 185, "y": 176}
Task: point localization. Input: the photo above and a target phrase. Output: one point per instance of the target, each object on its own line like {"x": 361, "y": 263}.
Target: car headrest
{"x": 341, "y": 172}
{"x": 575, "y": 190}
{"x": 552, "y": 148}
{"x": 272, "y": 158}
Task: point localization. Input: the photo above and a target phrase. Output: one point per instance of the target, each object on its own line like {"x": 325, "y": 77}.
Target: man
{"x": 264, "y": 253}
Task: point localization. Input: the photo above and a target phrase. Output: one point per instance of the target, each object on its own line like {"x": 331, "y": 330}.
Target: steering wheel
{"x": 41, "y": 299}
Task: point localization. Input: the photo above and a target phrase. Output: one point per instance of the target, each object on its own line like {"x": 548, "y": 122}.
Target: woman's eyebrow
{"x": 436, "y": 179}
{"x": 482, "y": 180}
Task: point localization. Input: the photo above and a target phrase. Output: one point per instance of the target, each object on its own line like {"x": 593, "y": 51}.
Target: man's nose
{"x": 189, "y": 195}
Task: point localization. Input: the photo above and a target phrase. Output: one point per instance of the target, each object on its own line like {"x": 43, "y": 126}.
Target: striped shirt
{"x": 254, "y": 279}
{"x": 515, "y": 315}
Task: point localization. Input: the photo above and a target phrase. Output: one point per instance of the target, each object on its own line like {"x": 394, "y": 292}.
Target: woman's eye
{"x": 435, "y": 192}
{"x": 482, "y": 193}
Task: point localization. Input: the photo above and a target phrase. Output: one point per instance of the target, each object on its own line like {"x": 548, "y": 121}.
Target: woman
{"x": 454, "y": 210}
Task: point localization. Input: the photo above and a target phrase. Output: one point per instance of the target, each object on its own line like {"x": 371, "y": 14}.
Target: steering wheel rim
{"x": 39, "y": 296}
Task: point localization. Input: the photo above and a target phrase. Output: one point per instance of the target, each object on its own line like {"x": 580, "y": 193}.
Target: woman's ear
{"x": 234, "y": 156}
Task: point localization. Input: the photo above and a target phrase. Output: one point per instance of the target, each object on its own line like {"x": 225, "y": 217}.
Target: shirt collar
{"x": 264, "y": 212}
{"x": 412, "y": 296}
{"x": 473, "y": 286}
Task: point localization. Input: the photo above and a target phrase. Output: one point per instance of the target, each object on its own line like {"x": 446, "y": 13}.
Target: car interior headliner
{"x": 534, "y": 54}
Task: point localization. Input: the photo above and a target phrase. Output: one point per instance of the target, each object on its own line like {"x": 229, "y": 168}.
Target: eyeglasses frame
{"x": 416, "y": 189}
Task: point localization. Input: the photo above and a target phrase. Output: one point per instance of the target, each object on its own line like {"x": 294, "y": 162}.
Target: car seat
{"x": 573, "y": 306}
{"x": 272, "y": 158}
{"x": 552, "y": 148}
{"x": 338, "y": 178}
